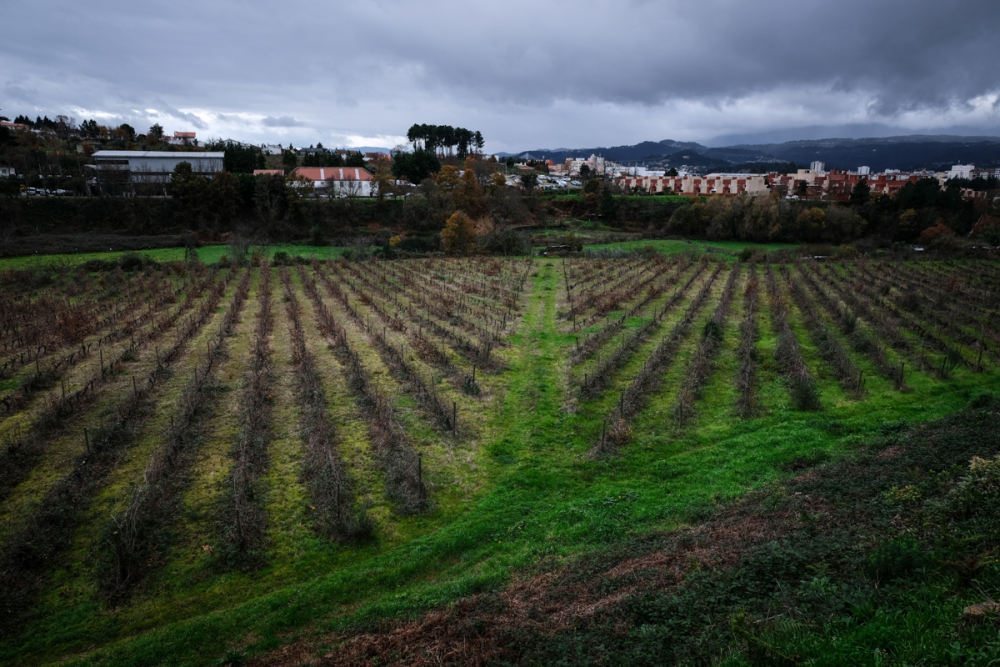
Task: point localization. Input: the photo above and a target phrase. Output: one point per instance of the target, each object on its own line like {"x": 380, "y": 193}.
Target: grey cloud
{"x": 230, "y": 119}
{"x": 283, "y": 121}
{"x": 171, "y": 112}
{"x": 515, "y": 70}
{"x": 15, "y": 91}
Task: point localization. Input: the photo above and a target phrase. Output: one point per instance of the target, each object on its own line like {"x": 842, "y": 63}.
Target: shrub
{"x": 898, "y": 559}
{"x": 507, "y": 242}
{"x": 977, "y": 492}
{"x": 938, "y": 230}
{"x": 418, "y": 244}
{"x": 131, "y": 261}
{"x": 459, "y": 234}
{"x": 846, "y": 251}
{"x": 95, "y": 265}
{"x": 712, "y": 330}
{"x": 804, "y": 392}
{"x": 316, "y": 236}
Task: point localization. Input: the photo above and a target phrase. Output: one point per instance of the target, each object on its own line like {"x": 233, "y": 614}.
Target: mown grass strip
{"x": 700, "y": 367}
{"x": 242, "y": 520}
{"x": 634, "y": 398}
{"x": 396, "y": 456}
{"x": 336, "y": 513}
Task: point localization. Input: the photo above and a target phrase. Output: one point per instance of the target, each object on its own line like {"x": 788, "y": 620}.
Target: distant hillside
{"x": 641, "y": 151}
{"x": 903, "y": 152}
{"x": 906, "y": 153}
{"x": 850, "y": 131}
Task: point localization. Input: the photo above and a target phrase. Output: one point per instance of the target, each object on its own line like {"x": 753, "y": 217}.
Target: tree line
{"x": 434, "y": 137}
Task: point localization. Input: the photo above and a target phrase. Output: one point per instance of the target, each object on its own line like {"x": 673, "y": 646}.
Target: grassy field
{"x": 530, "y": 482}
{"x": 212, "y": 253}
{"x": 670, "y": 247}
{"x": 208, "y": 254}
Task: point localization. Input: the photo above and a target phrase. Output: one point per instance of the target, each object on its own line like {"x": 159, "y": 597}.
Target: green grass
{"x": 212, "y": 253}
{"x": 209, "y": 254}
{"x": 537, "y": 497}
{"x": 674, "y": 246}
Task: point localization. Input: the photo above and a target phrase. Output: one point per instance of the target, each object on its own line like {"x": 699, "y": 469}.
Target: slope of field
{"x": 213, "y": 460}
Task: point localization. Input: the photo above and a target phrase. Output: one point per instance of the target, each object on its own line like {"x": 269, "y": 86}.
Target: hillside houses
{"x": 182, "y": 139}
{"x": 698, "y": 186}
{"x": 813, "y": 183}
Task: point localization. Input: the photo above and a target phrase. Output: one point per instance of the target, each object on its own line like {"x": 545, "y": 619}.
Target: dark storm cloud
{"x": 519, "y": 67}
{"x": 906, "y": 54}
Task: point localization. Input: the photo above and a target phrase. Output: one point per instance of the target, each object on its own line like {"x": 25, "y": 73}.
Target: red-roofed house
{"x": 268, "y": 172}
{"x": 183, "y": 139}
{"x": 352, "y": 181}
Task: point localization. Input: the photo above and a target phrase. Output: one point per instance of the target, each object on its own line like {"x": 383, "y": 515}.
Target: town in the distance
{"x": 114, "y": 160}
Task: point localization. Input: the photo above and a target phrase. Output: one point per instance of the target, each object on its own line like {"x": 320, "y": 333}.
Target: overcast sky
{"x": 527, "y": 73}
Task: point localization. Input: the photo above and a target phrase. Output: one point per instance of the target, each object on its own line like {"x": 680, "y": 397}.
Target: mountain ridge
{"x": 906, "y": 152}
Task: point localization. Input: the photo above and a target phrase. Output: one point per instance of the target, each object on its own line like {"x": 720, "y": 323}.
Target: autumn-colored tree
{"x": 447, "y": 179}
{"x": 497, "y": 182}
{"x": 762, "y": 218}
{"x": 908, "y": 219}
{"x": 459, "y": 234}
{"x": 938, "y": 230}
{"x": 469, "y": 195}
{"x": 842, "y": 224}
{"x": 382, "y": 180}
{"x": 811, "y": 222}
{"x": 986, "y": 222}
{"x": 483, "y": 169}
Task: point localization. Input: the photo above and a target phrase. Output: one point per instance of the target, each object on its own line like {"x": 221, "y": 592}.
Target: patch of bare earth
{"x": 476, "y": 630}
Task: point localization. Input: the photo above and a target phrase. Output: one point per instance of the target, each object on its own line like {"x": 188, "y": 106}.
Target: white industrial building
{"x": 152, "y": 166}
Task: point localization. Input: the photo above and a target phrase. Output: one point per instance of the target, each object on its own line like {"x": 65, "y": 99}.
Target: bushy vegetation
{"x": 865, "y": 560}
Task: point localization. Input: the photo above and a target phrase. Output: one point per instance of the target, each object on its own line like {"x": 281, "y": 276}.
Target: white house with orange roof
{"x": 351, "y": 181}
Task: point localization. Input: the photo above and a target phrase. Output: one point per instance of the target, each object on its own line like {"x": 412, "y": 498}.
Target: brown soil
{"x": 473, "y": 631}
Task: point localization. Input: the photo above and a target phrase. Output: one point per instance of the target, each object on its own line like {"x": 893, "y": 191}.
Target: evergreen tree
{"x": 415, "y": 166}
{"x": 861, "y": 193}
